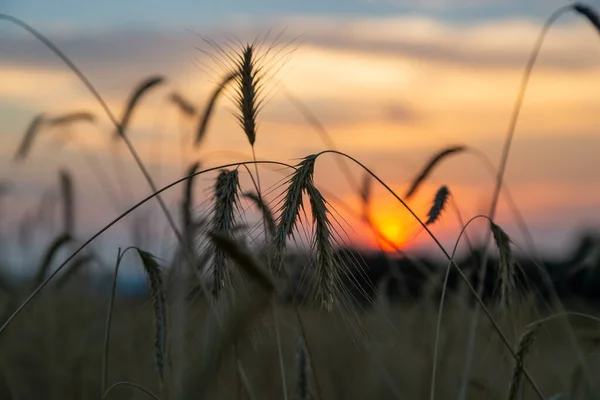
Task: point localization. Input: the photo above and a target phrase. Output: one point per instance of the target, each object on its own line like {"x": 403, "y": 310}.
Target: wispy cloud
{"x": 389, "y": 90}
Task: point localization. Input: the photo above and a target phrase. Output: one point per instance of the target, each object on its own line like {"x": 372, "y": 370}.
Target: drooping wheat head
{"x": 184, "y": 105}
{"x": 325, "y": 268}
{"x": 68, "y": 198}
{"x": 140, "y": 90}
{"x": 506, "y": 268}
{"x": 523, "y": 348}
{"x": 226, "y": 203}
{"x": 154, "y": 275}
{"x": 436, "y": 159}
{"x": 439, "y": 203}
{"x": 290, "y": 209}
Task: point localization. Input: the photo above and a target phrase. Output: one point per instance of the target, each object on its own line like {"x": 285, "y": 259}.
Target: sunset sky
{"x": 393, "y": 82}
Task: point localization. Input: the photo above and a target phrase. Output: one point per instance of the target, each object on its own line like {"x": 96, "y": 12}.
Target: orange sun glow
{"x": 396, "y": 228}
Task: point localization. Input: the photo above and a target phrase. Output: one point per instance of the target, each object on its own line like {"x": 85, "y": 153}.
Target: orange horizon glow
{"x": 394, "y": 227}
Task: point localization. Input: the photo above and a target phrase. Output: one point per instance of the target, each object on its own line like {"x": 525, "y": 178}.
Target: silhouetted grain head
{"x": 226, "y": 203}
{"x": 184, "y": 105}
{"x": 506, "y": 267}
{"x": 365, "y": 194}
{"x": 290, "y": 209}
{"x": 439, "y": 203}
{"x": 154, "y": 275}
{"x": 143, "y": 88}
{"x": 589, "y": 13}
{"x": 54, "y": 247}
{"x": 68, "y": 199}
{"x": 71, "y": 118}
{"x": 248, "y": 89}
{"x": 429, "y": 167}
{"x": 30, "y": 134}
{"x": 203, "y": 126}
{"x": 523, "y": 348}
{"x": 326, "y": 273}
{"x": 247, "y": 68}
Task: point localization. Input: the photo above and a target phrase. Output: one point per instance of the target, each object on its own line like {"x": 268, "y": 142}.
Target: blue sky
{"x": 193, "y": 12}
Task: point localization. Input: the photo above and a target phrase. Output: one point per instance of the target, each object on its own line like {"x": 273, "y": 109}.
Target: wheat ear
{"x": 226, "y": 200}
{"x": 154, "y": 275}
{"x": 325, "y": 268}
{"x": 30, "y": 134}
{"x": 439, "y": 203}
{"x": 70, "y": 118}
{"x": 506, "y": 271}
{"x": 291, "y": 206}
{"x": 523, "y": 348}
{"x": 203, "y": 126}
{"x": 143, "y": 87}
{"x": 429, "y": 167}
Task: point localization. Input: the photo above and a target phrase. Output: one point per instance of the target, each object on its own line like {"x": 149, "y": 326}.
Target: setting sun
{"x": 396, "y": 227}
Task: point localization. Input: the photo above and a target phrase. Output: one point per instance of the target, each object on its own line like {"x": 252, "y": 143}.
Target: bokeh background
{"x": 392, "y": 81}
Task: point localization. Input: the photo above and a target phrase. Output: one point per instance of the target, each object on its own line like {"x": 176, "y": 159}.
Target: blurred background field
{"x": 391, "y": 84}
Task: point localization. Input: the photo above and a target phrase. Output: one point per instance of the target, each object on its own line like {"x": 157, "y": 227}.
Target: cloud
{"x": 390, "y": 91}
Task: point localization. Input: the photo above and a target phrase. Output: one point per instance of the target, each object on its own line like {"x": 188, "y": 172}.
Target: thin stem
{"x": 438, "y": 327}
{"x": 51, "y": 46}
{"x": 113, "y": 291}
{"x": 113, "y": 222}
{"x": 460, "y": 272}
{"x": 109, "y": 322}
{"x": 280, "y": 352}
{"x": 501, "y": 171}
{"x": 133, "y": 385}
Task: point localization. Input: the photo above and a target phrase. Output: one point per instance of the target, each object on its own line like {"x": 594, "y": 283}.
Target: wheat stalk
{"x": 291, "y": 206}
{"x": 143, "y": 87}
{"x": 154, "y": 275}
{"x": 523, "y": 348}
{"x": 429, "y": 167}
{"x": 78, "y": 116}
{"x": 218, "y": 337}
{"x": 439, "y": 202}
{"x": 185, "y": 106}
{"x": 202, "y": 128}
{"x": 226, "y": 201}
{"x": 66, "y": 185}
{"x": 506, "y": 271}
{"x": 30, "y": 134}
{"x": 325, "y": 268}
{"x": 54, "y": 247}
{"x": 248, "y": 91}
{"x": 589, "y": 13}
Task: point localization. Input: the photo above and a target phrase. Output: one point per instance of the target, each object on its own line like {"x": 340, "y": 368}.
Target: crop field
{"x": 261, "y": 293}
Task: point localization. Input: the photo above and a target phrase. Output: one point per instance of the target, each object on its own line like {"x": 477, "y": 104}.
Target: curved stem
{"x": 113, "y": 222}
{"x": 133, "y": 385}
{"x": 113, "y": 291}
{"x": 501, "y": 171}
{"x": 438, "y": 326}
{"x": 460, "y": 272}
